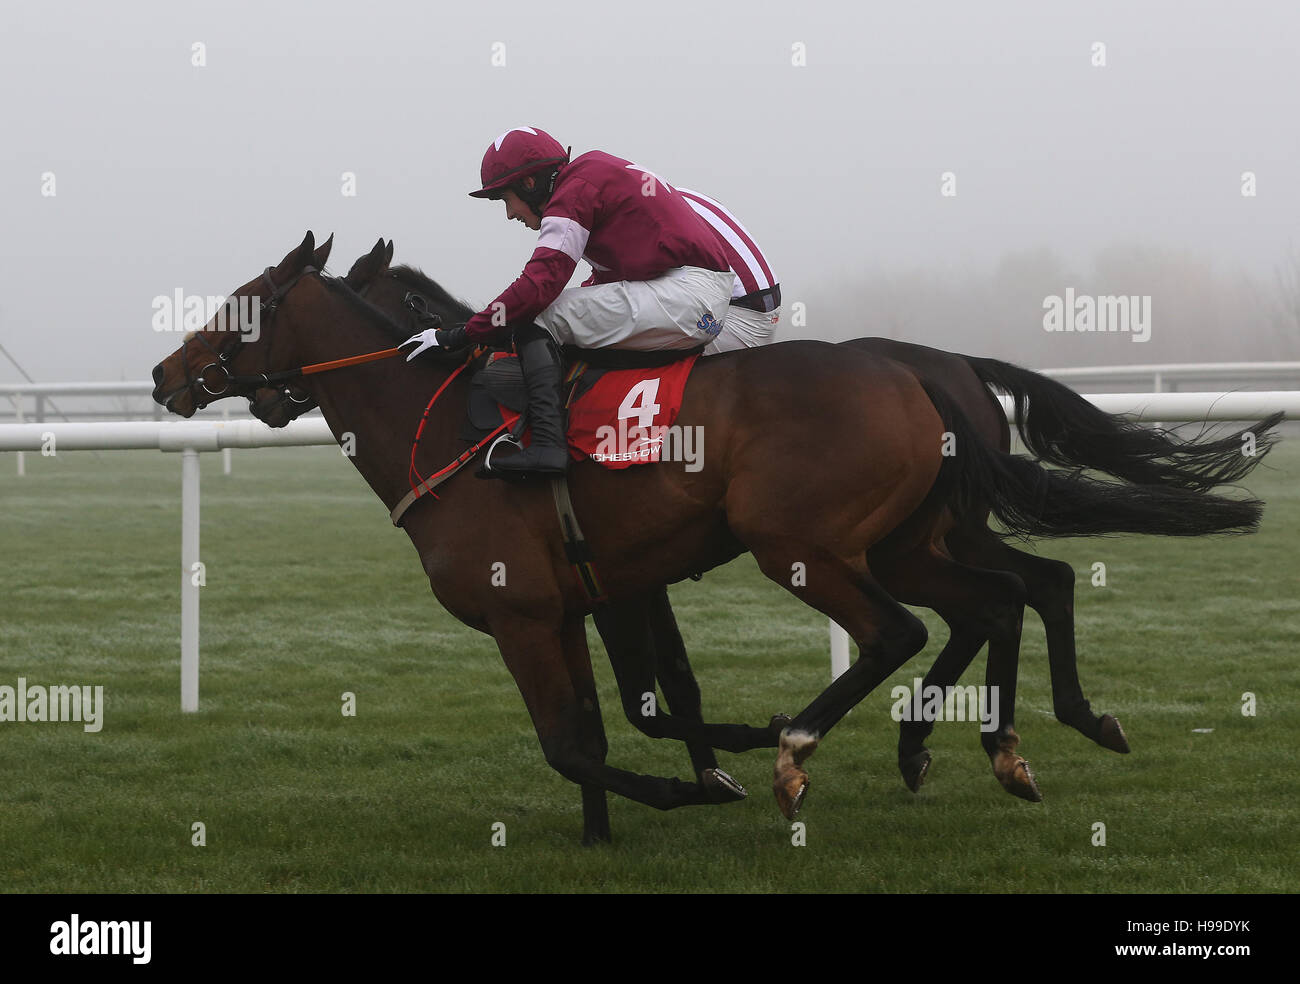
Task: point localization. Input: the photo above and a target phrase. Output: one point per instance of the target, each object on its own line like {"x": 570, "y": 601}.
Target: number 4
{"x": 646, "y": 391}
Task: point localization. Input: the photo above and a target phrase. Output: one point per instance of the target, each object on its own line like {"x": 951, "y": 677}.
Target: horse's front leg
{"x": 535, "y": 653}
{"x": 641, "y": 638}
{"x": 595, "y": 803}
{"x": 682, "y": 695}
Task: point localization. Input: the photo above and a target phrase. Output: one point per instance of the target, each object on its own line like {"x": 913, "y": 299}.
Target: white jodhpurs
{"x": 745, "y": 328}
{"x": 684, "y": 308}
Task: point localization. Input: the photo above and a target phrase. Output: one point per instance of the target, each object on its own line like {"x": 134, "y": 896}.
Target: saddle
{"x": 497, "y": 393}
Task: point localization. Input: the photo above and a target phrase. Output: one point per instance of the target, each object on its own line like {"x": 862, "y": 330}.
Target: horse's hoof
{"x": 1020, "y": 782}
{"x": 914, "y": 768}
{"x": 779, "y": 723}
{"x": 1112, "y": 735}
{"x": 721, "y": 787}
{"x": 789, "y": 780}
{"x": 790, "y": 792}
{"x": 593, "y": 839}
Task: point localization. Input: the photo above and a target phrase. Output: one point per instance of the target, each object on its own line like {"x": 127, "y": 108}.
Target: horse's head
{"x": 275, "y": 406}
{"x": 239, "y": 347}
{"x": 402, "y": 293}
{"x": 370, "y": 266}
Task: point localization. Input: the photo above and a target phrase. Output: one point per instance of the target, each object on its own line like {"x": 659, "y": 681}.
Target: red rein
{"x": 413, "y": 474}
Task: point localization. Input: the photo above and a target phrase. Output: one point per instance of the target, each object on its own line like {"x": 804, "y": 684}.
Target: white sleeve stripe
{"x": 566, "y": 235}
{"x": 736, "y": 243}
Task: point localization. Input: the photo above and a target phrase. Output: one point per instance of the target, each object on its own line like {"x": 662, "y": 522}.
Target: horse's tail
{"x": 1031, "y": 500}
{"x": 1059, "y": 426}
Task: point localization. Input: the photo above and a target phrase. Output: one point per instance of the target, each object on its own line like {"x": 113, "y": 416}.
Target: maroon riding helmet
{"x": 516, "y": 154}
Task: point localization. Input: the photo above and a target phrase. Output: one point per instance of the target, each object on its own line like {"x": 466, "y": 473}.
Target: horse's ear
{"x": 388, "y": 254}
{"x": 301, "y": 256}
{"x": 296, "y": 258}
{"x": 367, "y": 267}
{"x": 320, "y": 255}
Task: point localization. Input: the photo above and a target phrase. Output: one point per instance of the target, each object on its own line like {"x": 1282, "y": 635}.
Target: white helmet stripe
{"x": 521, "y": 129}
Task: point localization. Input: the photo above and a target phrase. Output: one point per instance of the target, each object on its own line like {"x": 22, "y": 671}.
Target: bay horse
{"x": 1056, "y": 424}
{"x": 819, "y": 454}
{"x": 640, "y": 633}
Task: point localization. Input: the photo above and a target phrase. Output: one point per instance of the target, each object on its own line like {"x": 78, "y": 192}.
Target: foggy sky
{"x": 174, "y": 176}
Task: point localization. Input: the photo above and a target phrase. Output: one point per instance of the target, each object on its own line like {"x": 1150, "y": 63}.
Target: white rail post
{"x": 225, "y": 452}
{"x": 18, "y": 416}
{"x": 189, "y": 590}
{"x": 839, "y": 651}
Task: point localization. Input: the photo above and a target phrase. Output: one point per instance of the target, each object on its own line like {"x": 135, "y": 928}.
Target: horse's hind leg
{"x": 886, "y": 633}
{"x": 999, "y": 735}
{"x": 976, "y": 603}
{"x": 1050, "y": 585}
{"x": 964, "y": 641}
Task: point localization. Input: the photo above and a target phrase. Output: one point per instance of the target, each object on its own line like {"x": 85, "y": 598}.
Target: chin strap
{"x": 541, "y": 194}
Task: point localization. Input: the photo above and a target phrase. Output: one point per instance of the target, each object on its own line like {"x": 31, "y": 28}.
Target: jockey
{"x": 755, "y": 307}
{"x": 661, "y": 277}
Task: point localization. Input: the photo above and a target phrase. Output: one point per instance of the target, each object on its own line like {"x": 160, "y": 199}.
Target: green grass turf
{"x": 311, "y": 593}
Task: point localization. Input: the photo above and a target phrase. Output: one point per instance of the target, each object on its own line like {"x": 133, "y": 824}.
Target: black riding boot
{"x": 548, "y": 454}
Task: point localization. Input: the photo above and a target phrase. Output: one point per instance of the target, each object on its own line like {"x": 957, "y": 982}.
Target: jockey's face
{"x": 517, "y": 208}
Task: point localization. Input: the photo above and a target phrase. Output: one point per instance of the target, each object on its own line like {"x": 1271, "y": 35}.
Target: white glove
{"x": 447, "y": 339}
{"x": 423, "y": 340}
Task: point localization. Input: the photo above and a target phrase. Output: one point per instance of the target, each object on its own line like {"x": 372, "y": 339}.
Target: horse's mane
{"x": 363, "y": 307}
{"x": 439, "y": 299}
{"x": 454, "y": 310}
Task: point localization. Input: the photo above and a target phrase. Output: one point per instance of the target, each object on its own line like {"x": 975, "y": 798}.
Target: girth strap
{"x": 576, "y": 549}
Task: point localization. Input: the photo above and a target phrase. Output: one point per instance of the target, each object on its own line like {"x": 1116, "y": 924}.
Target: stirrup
{"x": 486, "y": 470}
{"x": 517, "y": 474}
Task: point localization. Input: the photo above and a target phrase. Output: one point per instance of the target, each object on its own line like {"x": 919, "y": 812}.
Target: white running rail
{"x": 190, "y": 438}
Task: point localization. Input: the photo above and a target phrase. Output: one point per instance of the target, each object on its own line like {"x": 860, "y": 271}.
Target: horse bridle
{"x": 242, "y": 385}
{"x": 412, "y": 301}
